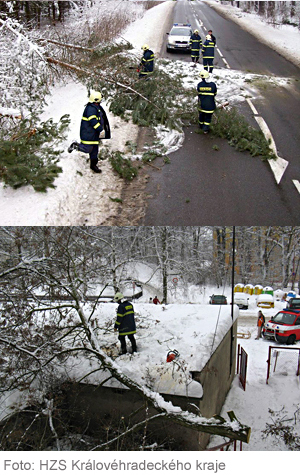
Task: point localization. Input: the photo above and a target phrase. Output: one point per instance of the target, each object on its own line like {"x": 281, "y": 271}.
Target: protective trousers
{"x": 205, "y": 120}
{"x": 208, "y": 64}
{"x": 122, "y": 339}
{"x": 92, "y": 150}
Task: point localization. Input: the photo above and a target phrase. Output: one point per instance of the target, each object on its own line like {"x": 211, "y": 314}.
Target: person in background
{"x": 147, "y": 62}
{"x": 125, "y": 323}
{"x": 213, "y": 38}
{"x": 155, "y": 300}
{"x": 260, "y": 324}
{"x": 195, "y": 44}
{"x": 208, "y": 52}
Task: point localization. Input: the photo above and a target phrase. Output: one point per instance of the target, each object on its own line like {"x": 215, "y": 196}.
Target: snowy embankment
{"x": 283, "y": 38}
{"x": 81, "y": 197}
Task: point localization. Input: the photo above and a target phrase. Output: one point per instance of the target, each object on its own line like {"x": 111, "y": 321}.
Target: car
{"x": 284, "y": 327}
{"x": 265, "y": 301}
{"x": 241, "y": 300}
{"x": 179, "y": 37}
{"x": 290, "y": 295}
{"x": 218, "y": 300}
{"x": 294, "y": 302}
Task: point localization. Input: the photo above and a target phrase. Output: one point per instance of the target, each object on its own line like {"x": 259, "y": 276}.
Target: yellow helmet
{"x": 196, "y": 31}
{"x": 208, "y": 37}
{"x": 204, "y": 74}
{"x": 95, "y": 96}
{"x": 118, "y": 296}
{"x": 145, "y": 47}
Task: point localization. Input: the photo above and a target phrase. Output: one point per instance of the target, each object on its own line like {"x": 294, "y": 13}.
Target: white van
{"x": 241, "y": 300}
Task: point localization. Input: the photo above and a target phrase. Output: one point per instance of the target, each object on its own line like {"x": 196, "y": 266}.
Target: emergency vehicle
{"x": 179, "y": 37}
{"x": 284, "y": 327}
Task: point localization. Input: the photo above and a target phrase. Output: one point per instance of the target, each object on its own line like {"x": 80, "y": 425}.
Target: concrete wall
{"x": 216, "y": 378}
{"x": 100, "y": 406}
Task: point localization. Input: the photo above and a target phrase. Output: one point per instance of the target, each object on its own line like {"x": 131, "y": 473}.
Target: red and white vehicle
{"x": 284, "y": 327}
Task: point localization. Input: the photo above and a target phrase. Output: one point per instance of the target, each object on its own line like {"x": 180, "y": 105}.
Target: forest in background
{"x": 276, "y": 13}
{"x": 200, "y": 255}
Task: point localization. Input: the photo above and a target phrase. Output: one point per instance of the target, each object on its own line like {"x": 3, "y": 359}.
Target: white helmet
{"x": 118, "y": 296}
{"x": 196, "y": 31}
{"x": 145, "y": 47}
{"x": 95, "y": 96}
{"x": 204, "y": 74}
{"x": 208, "y": 37}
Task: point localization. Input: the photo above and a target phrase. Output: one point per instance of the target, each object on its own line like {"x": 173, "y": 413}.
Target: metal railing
{"x": 242, "y": 360}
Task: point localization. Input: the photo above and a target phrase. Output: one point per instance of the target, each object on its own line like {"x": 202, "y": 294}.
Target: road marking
{"x": 279, "y": 165}
{"x": 252, "y": 107}
{"x": 297, "y": 185}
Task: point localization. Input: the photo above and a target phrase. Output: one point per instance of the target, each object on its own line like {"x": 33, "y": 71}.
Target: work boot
{"x": 73, "y": 146}
{"x": 95, "y": 169}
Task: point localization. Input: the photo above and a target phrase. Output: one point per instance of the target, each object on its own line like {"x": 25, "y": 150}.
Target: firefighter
{"x": 93, "y": 121}
{"x": 206, "y": 101}
{"x": 195, "y": 44}
{"x": 208, "y": 52}
{"x": 125, "y": 323}
{"x": 147, "y": 62}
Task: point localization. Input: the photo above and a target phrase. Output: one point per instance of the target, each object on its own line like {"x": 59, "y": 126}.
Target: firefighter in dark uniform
{"x": 195, "y": 44}
{"x": 147, "y": 62}
{"x": 93, "y": 121}
{"x": 206, "y": 101}
{"x": 208, "y": 52}
{"x": 125, "y": 323}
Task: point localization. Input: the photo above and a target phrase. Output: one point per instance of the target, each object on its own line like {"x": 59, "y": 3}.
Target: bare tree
{"x": 41, "y": 336}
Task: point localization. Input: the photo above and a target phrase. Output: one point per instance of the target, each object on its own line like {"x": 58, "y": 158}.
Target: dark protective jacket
{"x": 206, "y": 96}
{"x": 147, "y": 62}
{"x": 125, "y": 322}
{"x": 195, "y": 44}
{"x": 93, "y": 121}
{"x": 213, "y": 39}
{"x": 208, "y": 49}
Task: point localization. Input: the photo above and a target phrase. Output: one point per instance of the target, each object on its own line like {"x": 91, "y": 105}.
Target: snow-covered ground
{"x": 192, "y": 327}
{"x": 83, "y": 198}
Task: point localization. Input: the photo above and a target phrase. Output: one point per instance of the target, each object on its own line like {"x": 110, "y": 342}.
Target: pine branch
{"x": 85, "y": 71}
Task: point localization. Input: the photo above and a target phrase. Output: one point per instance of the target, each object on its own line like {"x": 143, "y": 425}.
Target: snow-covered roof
{"x": 195, "y": 331}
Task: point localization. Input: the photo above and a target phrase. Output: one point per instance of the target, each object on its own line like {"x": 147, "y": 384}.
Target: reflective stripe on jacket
{"x": 206, "y": 96}
{"x": 208, "y": 49}
{"x": 125, "y": 322}
{"x": 93, "y": 121}
{"x": 195, "y": 43}
{"x": 147, "y": 62}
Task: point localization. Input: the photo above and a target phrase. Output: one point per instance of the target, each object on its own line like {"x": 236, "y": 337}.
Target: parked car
{"x": 241, "y": 300}
{"x": 294, "y": 302}
{"x": 265, "y": 301}
{"x": 284, "y": 327}
{"x": 179, "y": 37}
{"x": 218, "y": 300}
{"x": 290, "y": 295}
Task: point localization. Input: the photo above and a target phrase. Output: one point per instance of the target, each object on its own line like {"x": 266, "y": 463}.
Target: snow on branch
{"x": 215, "y": 425}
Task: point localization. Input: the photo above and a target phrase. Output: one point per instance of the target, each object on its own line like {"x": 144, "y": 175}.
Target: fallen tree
{"x": 42, "y": 341}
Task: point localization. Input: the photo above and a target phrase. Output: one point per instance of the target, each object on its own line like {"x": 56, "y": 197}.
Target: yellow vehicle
{"x": 265, "y": 301}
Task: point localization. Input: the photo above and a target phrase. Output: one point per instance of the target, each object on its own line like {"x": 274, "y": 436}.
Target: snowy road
{"x": 201, "y": 186}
